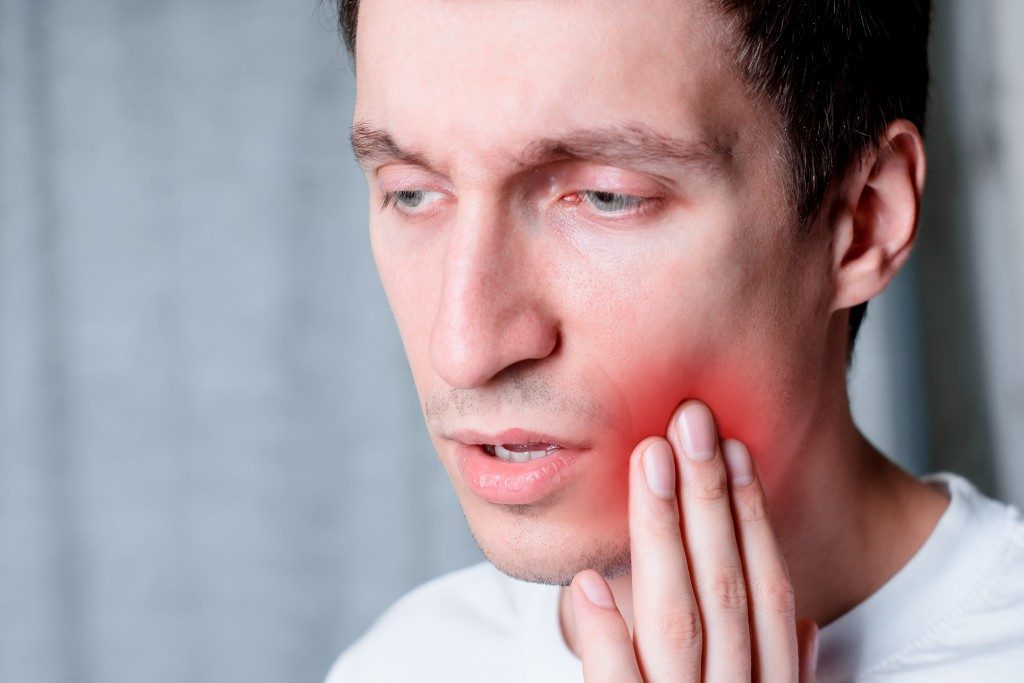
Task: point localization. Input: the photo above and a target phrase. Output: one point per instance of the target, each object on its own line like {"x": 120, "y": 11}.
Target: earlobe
{"x": 875, "y": 224}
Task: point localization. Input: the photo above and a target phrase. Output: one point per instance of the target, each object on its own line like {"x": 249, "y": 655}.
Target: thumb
{"x": 602, "y": 637}
{"x": 807, "y": 642}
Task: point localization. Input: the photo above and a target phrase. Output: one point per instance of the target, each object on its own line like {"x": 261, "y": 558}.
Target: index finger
{"x": 667, "y": 630}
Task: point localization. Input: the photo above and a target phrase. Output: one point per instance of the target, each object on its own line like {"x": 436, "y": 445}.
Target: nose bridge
{"x": 489, "y": 315}
{"x": 479, "y": 246}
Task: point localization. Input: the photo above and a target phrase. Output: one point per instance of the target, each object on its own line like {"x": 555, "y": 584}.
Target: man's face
{"x": 591, "y": 225}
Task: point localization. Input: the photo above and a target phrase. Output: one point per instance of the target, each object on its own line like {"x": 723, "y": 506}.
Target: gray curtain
{"x": 212, "y": 462}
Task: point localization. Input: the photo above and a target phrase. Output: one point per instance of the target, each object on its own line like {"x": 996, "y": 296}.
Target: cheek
{"x": 411, "y": 284}
{"x": 699, "y": 328}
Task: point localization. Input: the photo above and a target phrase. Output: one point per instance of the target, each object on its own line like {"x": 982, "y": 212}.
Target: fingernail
{"x": 596, "y": 590}
{"x": 697, "y": 432}
{"x": 660, "y": 469}
{"x": 737, "y": 462}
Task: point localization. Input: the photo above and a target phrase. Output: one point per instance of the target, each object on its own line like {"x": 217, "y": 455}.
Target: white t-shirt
{"x": 954, "y": 612}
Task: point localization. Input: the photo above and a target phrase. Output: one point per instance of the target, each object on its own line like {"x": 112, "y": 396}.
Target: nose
{"x": 493, "y": 309}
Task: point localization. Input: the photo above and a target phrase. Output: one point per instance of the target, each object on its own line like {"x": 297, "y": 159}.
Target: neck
{"x": 847, "y": 519}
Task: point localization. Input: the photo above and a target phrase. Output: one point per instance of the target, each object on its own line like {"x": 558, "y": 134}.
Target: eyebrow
{"x": 631, "y": 145}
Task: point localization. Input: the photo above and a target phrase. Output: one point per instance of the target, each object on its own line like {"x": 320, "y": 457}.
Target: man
{"x": 628, "y": 247}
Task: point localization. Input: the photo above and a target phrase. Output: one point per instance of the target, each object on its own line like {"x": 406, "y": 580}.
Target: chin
{"x": 527, "y": 549}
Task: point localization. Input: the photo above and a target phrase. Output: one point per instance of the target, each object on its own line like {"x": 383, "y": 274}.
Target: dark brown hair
{"x": 836, "y": 71}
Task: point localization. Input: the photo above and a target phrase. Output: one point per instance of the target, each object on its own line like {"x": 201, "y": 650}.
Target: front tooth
{"x": 504, "y": 453}
{"x": 516, "y": 456}
{"x": 520, "y": 457}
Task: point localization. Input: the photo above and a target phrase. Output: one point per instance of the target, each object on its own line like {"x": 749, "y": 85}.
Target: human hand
{"x": 712, "y": 598}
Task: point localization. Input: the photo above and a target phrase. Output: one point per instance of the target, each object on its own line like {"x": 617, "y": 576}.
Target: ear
{"x": 874, "y": 223}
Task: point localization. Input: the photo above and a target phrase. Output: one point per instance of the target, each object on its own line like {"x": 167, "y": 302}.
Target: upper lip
{"x": 511, "y": 436}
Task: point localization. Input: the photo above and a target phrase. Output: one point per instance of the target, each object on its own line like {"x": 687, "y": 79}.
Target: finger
{"x": 808, "y": 636}
{"x": 771, "y": 602}
{"x": 711, "y": 546}
{"x": 603, "y": 639}
{"x": 666, "y": 618}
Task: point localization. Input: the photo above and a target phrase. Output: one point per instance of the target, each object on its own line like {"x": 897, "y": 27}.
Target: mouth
{"x": 516, "y": 466}
{"x": 518, "y": 452}
{"x": 514, "y": 441}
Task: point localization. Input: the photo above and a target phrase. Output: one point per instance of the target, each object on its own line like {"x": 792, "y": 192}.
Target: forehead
{"x": 482, "y": 79}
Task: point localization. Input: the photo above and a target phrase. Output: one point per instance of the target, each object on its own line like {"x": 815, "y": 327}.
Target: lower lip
{"x": 499, "y": 481}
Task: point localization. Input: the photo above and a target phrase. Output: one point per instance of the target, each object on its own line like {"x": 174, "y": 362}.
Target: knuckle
{"x": 751, "y": 508}
{"x": 729, "y": 591}
{"x": 711, "y": 486}
{"x": 680, "y": 626}
{"x": 775, "y": 593}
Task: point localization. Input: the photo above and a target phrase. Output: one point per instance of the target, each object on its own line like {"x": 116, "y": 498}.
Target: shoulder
{"x": 441, "y": 625}
{"x": 981, "y": 636}
{"x": 999, "y": 589}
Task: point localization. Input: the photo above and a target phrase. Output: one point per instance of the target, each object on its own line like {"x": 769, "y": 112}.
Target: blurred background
{"x": 213, "y": 466}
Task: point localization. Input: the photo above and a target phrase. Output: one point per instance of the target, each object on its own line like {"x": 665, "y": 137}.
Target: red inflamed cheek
{"x": 746, "y": 409}
{"x": 743, "y": 407}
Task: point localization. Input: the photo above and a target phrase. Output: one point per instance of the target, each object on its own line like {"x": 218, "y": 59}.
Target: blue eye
{"x": 610, "y": 202}
{"x": 408, "y": 201}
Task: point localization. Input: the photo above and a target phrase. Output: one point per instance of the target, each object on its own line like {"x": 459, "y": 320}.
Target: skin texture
{"x": 521, "y": 305}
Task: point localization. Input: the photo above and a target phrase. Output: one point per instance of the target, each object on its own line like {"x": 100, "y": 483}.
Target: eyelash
{"x": 389, "y": 201}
